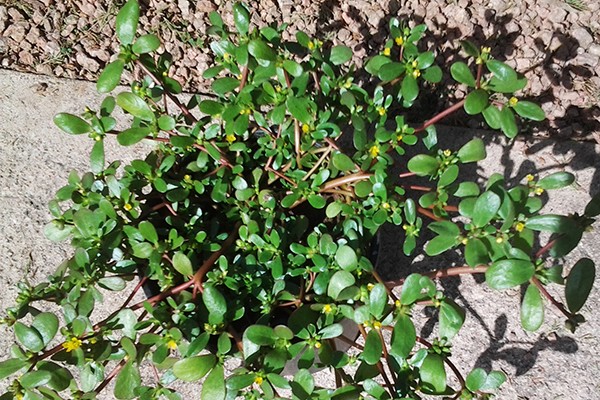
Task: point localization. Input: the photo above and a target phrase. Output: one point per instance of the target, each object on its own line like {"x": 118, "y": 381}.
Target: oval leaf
{"x": 182, "y": 264}
{"x": 485, "y": 209}
{"x": 579, "y": 284}
{"x": 423, "y": 165}
{"x": 556, "y": 180}
{"x": 472, "y": 151}
{"x": 506, "y": 274}
{"x": 146, "y": 44}
{"x": 476, "y": 101}
{"x": 529, "y": 110}
{"x": 340, "y": 54}
{"x": 532, "y": 309}
{"x": 135, "y": 105}
{"x": 433, "y": 374}
{"x": 127, "y": 21}
{"x": 462, "y": 73}
{"x": 110, "y": 77}
{"x": 193, "y": 368}
{"x": 132, "y": 135}
{"x": 71, "y": 124}
{"x": 404, "y": 337}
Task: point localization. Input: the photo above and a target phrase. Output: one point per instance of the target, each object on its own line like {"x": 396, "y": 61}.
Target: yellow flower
{"x": 311, "y": 45}
{"x": 405, "y": 227}
{"x": 377, "y": 325}
{"x": 327, "y": 309}
{"x": 519, "y": 227}
{"x": 416, "y": 73}
{"x": 127, "y": 207}
{"x": 399, "y": 40}
{"x": 317, "y": 345}
{"x": 230, "y": 138}
{"x": 93, "y": 340}
{"x": 187, "y": 178}
{"x": 499, "y": 239}
{"x": 386, "y": 206}
{"x": 258, "y": 380}
{"x": 486, "y": 50}
{"x": 398, "y": 304}
{"x": 479, "y": 61}
{"x": 171, "y": 344}
{"x": 370, "y": 287}
{"x": 539, "y": 191}
{"x": 227, "y": 57}
{"x": 19, "y": 396}
{"x": 513, "y": 101}
{"x": 374, "y": 151}
{"x": 387, "y": 51}
{"x": 447, "y": 153}
{"x": 529, "y": 178}
{"x": 399, "y": 137}
{"x": 72, "y": 344}
{"x": 348, "y": 84}
{"x": 465, "y": 241}
{"x": 305, "y": 128}
{"x": 415, "y": 63}
{"x": 381, "y": 111}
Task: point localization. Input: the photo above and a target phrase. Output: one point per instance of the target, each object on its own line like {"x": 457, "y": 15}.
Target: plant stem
{"x": 360, "y": 176}
{"x": 244, "y": 78}
{"x": 560, "y": 306}
{"x": 428, "y": 213}
{"x": 110, "y": 376}
{"x": 406, "y": 174}
{"x": 441, "y": 116}
{"x": 444, "y": 273}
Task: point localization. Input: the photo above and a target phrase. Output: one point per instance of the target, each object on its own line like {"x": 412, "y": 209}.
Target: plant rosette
{"x": 256, "y": 226}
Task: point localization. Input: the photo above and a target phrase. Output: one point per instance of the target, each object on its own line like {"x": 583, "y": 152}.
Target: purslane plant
{"x": 252, "y": 226}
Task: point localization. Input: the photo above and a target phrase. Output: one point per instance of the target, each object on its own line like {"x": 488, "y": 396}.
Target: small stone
{"x": 205, "y": 6}
{"x": 582, "y": 36}
{"x": 16, "y": 32}
{"x": 86, "y": 62}
{"x": 15, "y": 14}
{"x": 558, "y": 15}
{"x": 33, "y": 35}
{"x": 585, "y": 59}
{"x": 184, "y": 6}
{"x": 26, "y": 58}
{"x": 43, "y": 69}
{"x": 344, "y": 35}
{"x": 594, "y": 50}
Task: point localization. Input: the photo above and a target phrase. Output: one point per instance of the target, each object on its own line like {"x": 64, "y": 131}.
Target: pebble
{"x": 583, "y": 37}
{"x": 86, "y": 62}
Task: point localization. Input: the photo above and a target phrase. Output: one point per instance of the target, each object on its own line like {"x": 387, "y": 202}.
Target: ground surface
{"x": 556, "y": 45}
{"x": 553, "y": 43}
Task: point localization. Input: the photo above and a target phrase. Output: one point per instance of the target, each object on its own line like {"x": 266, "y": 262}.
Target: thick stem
{"x": 560, "y": 306}
{"x": 444, "y": 273}
{"x": 441, "y": 116}
{"x": 428, "y": 214}
{"x": 110, "y": 376}
{"x": 360, "y": 176}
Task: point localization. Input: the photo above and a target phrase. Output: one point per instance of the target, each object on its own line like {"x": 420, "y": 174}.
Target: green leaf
{"x": 317, "y": 201}
{"x": 293, "y": 68}
{"x": 133, "y": 135}
{"x": 373, "y": 349}
{"x": 390, "y": 71}
{"x": 260, "y": 50}
{"x": 552, "y": 223}
{"x": 462, "y": 73}
{"x": 378, "y": 299}
{"x": 148, "y": 232}
{"x": 476, "y": 252}
{"x": 299, "y": 108}
{"x": 492, "y": 117}
{"x": 110, "y": 76}
{"x": 10, "y": 366}
{"x": 127, "y": 21}
{"x": 338, "y": 282}
{"x": 433, "y": 374}
{"x": 97, "y": 157}
{"x": 476, "y": 379}
{"x": 469, "y": 48}
{"x": 432, "y": 74}
{"x": 579, "y": 284}
{"x": 409, "y": 88}
{"x": 46, "y": 324}
{"x": 346, "y": 258}
{"x": 30, "y": 338}
{"x": 486, "y": 207}
{"x": 215, "y": 303}
{"x": 241, "y": 18}
{"x": 331, "y": 331}
{"x": 342, "y": 162}
{"x": 501, "y": 71}
{"x": 374, "y": 64}
{"x": 340, "y": 55}
{"x": 71, "y": 124}
{"x": 411, "y": 289}
{"x": 127, "y": 382}
{"x": 146, "y": 44}
{"x": 194, "y": 368}
{"x": 452, "y": 317}
{"x": 213, "y": 387}
{"x": 592, "y": 209}
{"x": 261, "y": 335}
{"x": 440, "y": 244}
{"x": 556, "y": 180}
{"x": 113, "y": 283}
{"x": 472, "y": 151}
{"x": 210, "y": 107}
{"x": 505, "y": 274}
{"x": 448, "y": 176}
{"x": 532, "y": 309}
{"x": 529, "y": 110}
{"x": 34, "y": 379}
{"x": 476, "y": 101}
{"x": 508, "y": 125}
{"x": 225, "y": 85}
{"x": 404, "y": 337}
{"x": 136, "y": 106}
{"x": 182, "y": 264}
{"x": 494, "y": 380}
{"x": 423, "y": 165}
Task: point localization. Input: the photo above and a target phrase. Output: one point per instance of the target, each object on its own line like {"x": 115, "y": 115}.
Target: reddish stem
{"x": 428, "y": 213}
{"x": 560, "y": 306}
{"x": 441, "y": 116}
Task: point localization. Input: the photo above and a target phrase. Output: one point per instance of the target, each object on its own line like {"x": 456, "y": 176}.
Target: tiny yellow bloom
{"x": 171, "y": 344}
{"x": 165, "y": 73}
{"x": 499, "y": 239}
{"x": 258, "y": 380}
{"x": 127, "y": 207}
{"x": 529, "y": 178}
{"x": 405, "y": 227}
{"x": 187, "y": 178}
{"x": 19, "y": 396}
{"x": 465, "y": 241}
{"x": 230, "y": 138}
{"x": 513, "y": 101}
{"x": 416, "y": 73}
{"x": 398, "y": 304}
{"x": 317, "y": 345}
{"x": 370, "y": 286}
{"x": 519, "y": 227}
{"x": 486, "y": 50}
{"x": 327, "y": 309}
{"x": 374, "y": 151}
{"x": 399, "y": 137}
{"x": 278, "y": 88}
{"x": 305, "y": 128}
{"x": 377, "y": 325}
{"x": 399, "y": 40}
{"x": 415, "y": 63}
{"x": 348, "y": 84}
{"x": 539, "y": 191}
{"x": 447, "y": 153}
{"x": 227, "y": 57}
{"x": 479, "y": 61}
{"x": 381, "y": 111}
{"x": 93, "y": 340}
{"x": 311, "y": 45}
{"x": 387, "y": 51}
{"x": 72, "y": 344}
{"x": 386, "y": 206}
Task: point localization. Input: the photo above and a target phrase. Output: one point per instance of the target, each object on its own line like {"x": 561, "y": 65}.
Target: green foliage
{"x": 256, "y": 225}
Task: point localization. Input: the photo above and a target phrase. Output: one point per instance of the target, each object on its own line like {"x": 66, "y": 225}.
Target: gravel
{"x": 556, "y": 46}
